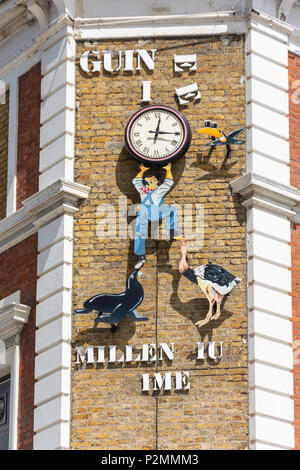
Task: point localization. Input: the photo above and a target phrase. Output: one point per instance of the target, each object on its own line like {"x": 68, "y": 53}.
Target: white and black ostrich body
{"x": 217, "y": 278}
{"x": 213, "y": 280}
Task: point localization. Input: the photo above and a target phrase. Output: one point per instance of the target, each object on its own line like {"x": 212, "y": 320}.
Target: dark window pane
{"x": 4, "y": 412}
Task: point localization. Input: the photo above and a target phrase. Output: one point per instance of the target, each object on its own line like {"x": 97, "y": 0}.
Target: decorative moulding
{"x": 13, "y": 317}
{"x": 93, "y": 28}
{"x": 13, "y": 16}
{"x": 40, "y": 42}
{"x": 270, "y": 21}
{"x": 285, "y": 8}
{"x": 59, "y": 198}
{"x": 40, "y": 10}
{"x": 258, "y": 191}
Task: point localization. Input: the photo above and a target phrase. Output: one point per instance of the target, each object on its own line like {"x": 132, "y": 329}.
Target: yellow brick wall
{"x": 4, "y": 116}
{"x": 109, "y": 411}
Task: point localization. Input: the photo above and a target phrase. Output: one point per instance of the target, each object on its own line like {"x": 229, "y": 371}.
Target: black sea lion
{"x": 118, "y": 305}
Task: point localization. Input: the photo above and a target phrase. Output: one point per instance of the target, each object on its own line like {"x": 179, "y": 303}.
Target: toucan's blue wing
{"x": 233, "y": 134}
{"x": 215, "y": 143}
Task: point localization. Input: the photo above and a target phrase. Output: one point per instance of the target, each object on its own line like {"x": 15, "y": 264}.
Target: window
{"x": 13, "y": 316}
{"x": 4, "y": 412}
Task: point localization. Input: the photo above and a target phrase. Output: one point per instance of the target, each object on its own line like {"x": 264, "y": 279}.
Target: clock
{"x": 157, "y": 135}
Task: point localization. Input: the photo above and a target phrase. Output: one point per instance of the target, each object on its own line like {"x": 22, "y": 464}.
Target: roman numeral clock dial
{"x": 157, "y": 135}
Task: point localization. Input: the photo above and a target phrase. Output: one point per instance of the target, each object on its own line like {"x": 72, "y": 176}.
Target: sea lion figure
{"x": 118, "y": 305}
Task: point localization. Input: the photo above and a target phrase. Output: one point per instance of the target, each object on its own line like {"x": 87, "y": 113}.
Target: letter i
{"x": 146, "y": 95}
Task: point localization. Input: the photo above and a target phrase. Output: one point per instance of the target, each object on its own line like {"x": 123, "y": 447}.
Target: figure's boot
{"x": 140, "y": 262}
{"x": 176, "y": 234}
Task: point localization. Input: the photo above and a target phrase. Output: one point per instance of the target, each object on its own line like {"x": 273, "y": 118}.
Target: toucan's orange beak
{"x": 210, "y": 131}
{"x": 213, "y": 133}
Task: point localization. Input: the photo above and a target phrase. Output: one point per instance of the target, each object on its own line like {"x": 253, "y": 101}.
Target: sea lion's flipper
{"x": 136, "y": 317}
{"x": 97, "y": 319}
{"x": 115, "y": 317}
{"x": 83, "y": 310}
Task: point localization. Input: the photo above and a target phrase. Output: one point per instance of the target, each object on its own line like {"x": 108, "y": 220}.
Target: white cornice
{"x": 62, "y": 22}
{"x": 170, "y": 19}
{"x": 226, "y": 22}
{"x": 59, "y": 198}
{"x": 270, "y": 21}
{"x": 258, "y": 191}
{"x": 13, "y": 317}
{"x": 138, "y": 26}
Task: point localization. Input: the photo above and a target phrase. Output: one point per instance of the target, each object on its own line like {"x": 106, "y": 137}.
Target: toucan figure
{"x": 220, "y": 138}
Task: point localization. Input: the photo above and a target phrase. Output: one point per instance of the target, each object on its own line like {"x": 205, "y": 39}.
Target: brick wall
{"x": 28, "y": 134}
{"x": 109, "y": 411}
{"x": 294, "y": 75}
{"x": 4, "y": 117}
{"x": 18, "y": 271}
{"x": 18, "y": 265}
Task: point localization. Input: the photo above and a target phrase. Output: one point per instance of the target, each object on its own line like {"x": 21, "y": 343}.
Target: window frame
{"x": 16, "y": 316}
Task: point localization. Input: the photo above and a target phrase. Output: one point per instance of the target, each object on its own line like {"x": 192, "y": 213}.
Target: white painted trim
{"x": 270, "y": 206}
{"x": 173, "y": 25}
{"x": 15, "y": 297}
{"x": 261, "y": 20}
{"x": 12, "y": 147}
{"x": 258, "y": 191}
{"x": 39, "y": 209}
{"x": 13, "y": 317}
{"x": 14, "y": 404}
{"x": 55, "y": 260}
{"x": 51, "y": 35}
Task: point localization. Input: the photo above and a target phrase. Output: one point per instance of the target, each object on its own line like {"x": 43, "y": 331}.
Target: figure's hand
{"x": 143, "y": 168}
{"x": 167, "y": 167}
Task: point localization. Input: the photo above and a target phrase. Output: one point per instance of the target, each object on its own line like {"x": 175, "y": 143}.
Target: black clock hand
{"x": 162, "y": 132}
{"x": 160, "y": 139}
{"x": 157, "y": 130}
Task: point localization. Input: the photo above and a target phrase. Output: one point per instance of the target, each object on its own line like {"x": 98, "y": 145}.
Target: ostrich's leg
{"x": 218, "y": 312}
{"x": 206, "y": 290}
{"x": 183, "y": 265}
{"x": 209, "y": 313}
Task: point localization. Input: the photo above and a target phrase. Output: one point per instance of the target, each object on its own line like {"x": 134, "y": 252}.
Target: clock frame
{"x": 138, "y": 137}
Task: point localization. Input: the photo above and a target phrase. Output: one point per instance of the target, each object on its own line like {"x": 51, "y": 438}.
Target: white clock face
{"x": 157, "y": 133}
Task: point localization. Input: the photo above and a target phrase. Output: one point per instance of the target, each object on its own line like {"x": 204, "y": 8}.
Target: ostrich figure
{"x": 213, "y": 280}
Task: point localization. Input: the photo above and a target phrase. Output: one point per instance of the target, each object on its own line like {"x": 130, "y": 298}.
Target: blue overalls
{"x": 151, "y": 212}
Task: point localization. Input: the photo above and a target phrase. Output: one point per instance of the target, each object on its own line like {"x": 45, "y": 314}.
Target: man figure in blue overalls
{"x": 153, "y": 209}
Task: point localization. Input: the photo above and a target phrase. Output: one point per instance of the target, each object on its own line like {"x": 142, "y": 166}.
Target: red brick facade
{"x": 18, "y": 271}
{"x": 294, "y": 75}
{"x": 18, "y": 265}
{"x": 28, "y": 134}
